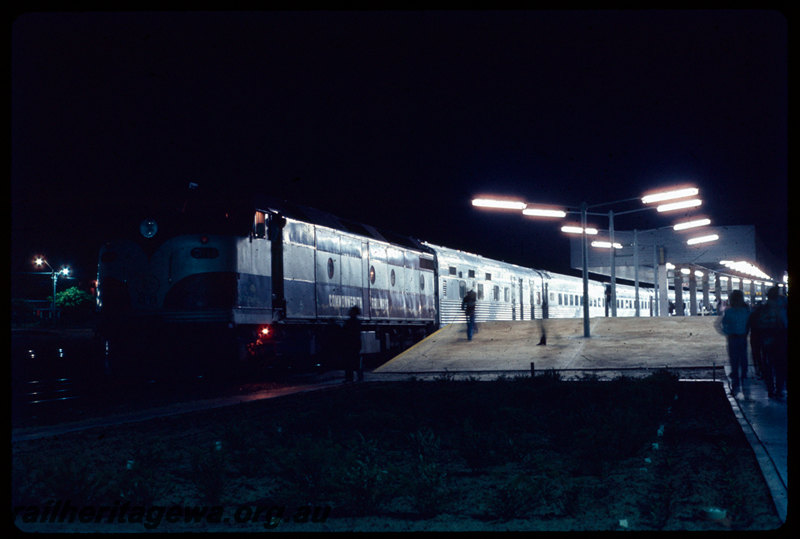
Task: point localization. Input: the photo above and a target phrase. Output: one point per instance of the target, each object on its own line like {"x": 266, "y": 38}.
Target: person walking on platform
{"x": 734, "y": 326}
{"x": 352, "y": 345}
{"x": 468, "y": 306}
{"x": 773, "y": 321}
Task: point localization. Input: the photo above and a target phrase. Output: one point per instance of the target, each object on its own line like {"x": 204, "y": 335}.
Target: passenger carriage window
{"x": 480, "y": 291}
{"x": 488, "y": 276}
{"x": 421, "y": 282}
{"x": 559, "y": 299}
{"x": 330, "y": 268}
{"x": 392, "y": 277}
{"x": 471, "y": 274}
{"x": 505, "y": 295}
{"x": 496, "y": 293}
{"x": 372, "y": 274}
{"x": 462, "y": 289}
{"x": 452, "y": 270}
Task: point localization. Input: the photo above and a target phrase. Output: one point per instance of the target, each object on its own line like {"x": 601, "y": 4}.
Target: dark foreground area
{"x": 514, "y": 454}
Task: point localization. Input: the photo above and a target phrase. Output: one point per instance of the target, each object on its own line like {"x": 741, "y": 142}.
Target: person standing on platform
{"x": 468, "y": 306}
{"x": 756, "y": 349}
{"x": 774, "y": 324}
{"x": 734, "y": 326}
{"x": 543, "y": 339}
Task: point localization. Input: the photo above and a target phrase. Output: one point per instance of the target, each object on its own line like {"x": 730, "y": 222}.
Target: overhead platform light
{"x": 570, "y": 229}
{"x": 670, "y": 195}
{"x": 544, "y": 212}
{"x": 686, "y": 225}
{"x": 693, "y": 203}
{"x": 499, "y": 203}
{"x": 606, "y": 245}
{"x": 702, "y": 239}
{"x": 745, "y": 267}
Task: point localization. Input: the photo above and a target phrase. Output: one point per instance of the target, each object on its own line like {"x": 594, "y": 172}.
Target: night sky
{"x": 395, "y": 119}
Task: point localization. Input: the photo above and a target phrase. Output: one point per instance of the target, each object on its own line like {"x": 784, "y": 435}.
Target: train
{"x": 271, "y": 283}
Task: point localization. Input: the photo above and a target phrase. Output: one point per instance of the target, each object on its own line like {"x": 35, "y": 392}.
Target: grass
{"x": 524, "y": 454}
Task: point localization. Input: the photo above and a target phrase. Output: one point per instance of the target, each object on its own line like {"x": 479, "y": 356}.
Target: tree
{"x": 75, "y": 304}
{"x": 73, "y": 298}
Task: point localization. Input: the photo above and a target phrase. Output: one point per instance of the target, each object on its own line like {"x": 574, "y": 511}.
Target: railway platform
{"x": 615, "y": 344}
{"x": 690, "y": 346}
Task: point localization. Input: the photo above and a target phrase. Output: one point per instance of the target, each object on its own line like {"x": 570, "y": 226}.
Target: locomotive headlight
{"x": 148, "y": 228}
{"x": 266, "y": 331}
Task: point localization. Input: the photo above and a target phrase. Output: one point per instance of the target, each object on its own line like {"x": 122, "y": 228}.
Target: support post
{"x": 636, "y": 271}
{"x": 585, "y": 251}
{"x": 613, "y": 265}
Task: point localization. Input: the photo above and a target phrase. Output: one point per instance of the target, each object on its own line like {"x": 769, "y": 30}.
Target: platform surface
{"x": 614, "y": 343}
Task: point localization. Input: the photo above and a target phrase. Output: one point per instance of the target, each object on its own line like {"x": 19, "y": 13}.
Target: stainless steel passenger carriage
{"x": 504, "y": 291}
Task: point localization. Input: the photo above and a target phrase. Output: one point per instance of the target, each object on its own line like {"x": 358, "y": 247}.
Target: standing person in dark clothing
{"x": 734, "y": 326}
{"x": 468, "y": 306}
{"x": 756, "y": 349}
{"x": 543, "y": 339}
{"x": 774, "y": 324}
{"x": 352, "y": 345}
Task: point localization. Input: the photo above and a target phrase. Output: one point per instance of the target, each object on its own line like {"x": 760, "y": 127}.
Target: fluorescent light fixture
{"x": 693, "y": 203}
{"x": 686, "y": 271}
{"x": 544, "y": 212}
{"x": 498, "y": 203}
{"x": 670, "y": 195}
{"x": 743, "y": 266}
{"x": 698, "y": 273}
{"x": 670, "y": 265}
{"x": 702, "y": 239}
{"x": 606, "y": 244}
{"x": 691, "y": 224}
{"x": 578, "y": 230}
{"x": 746, "y": 281}
{"x": 723, "y": 277}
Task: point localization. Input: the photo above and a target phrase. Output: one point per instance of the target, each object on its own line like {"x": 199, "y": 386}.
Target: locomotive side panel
{"x": 378, "y": 279}
{"x": 253, "y": 303}
{"x": 328, "y": 274}
{"x": 299, "y": 271}
{"x": 353, "y": 281}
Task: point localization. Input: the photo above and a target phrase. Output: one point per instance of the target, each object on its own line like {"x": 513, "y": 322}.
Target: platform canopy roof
{"x": 734, "y": 244}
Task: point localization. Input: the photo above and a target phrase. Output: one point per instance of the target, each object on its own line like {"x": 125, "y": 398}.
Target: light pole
{"x": 538, "y": 210}
{"x": 54, "y": 274}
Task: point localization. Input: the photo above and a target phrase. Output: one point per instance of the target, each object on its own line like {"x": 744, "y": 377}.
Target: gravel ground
{"x": 516, "y": 454}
